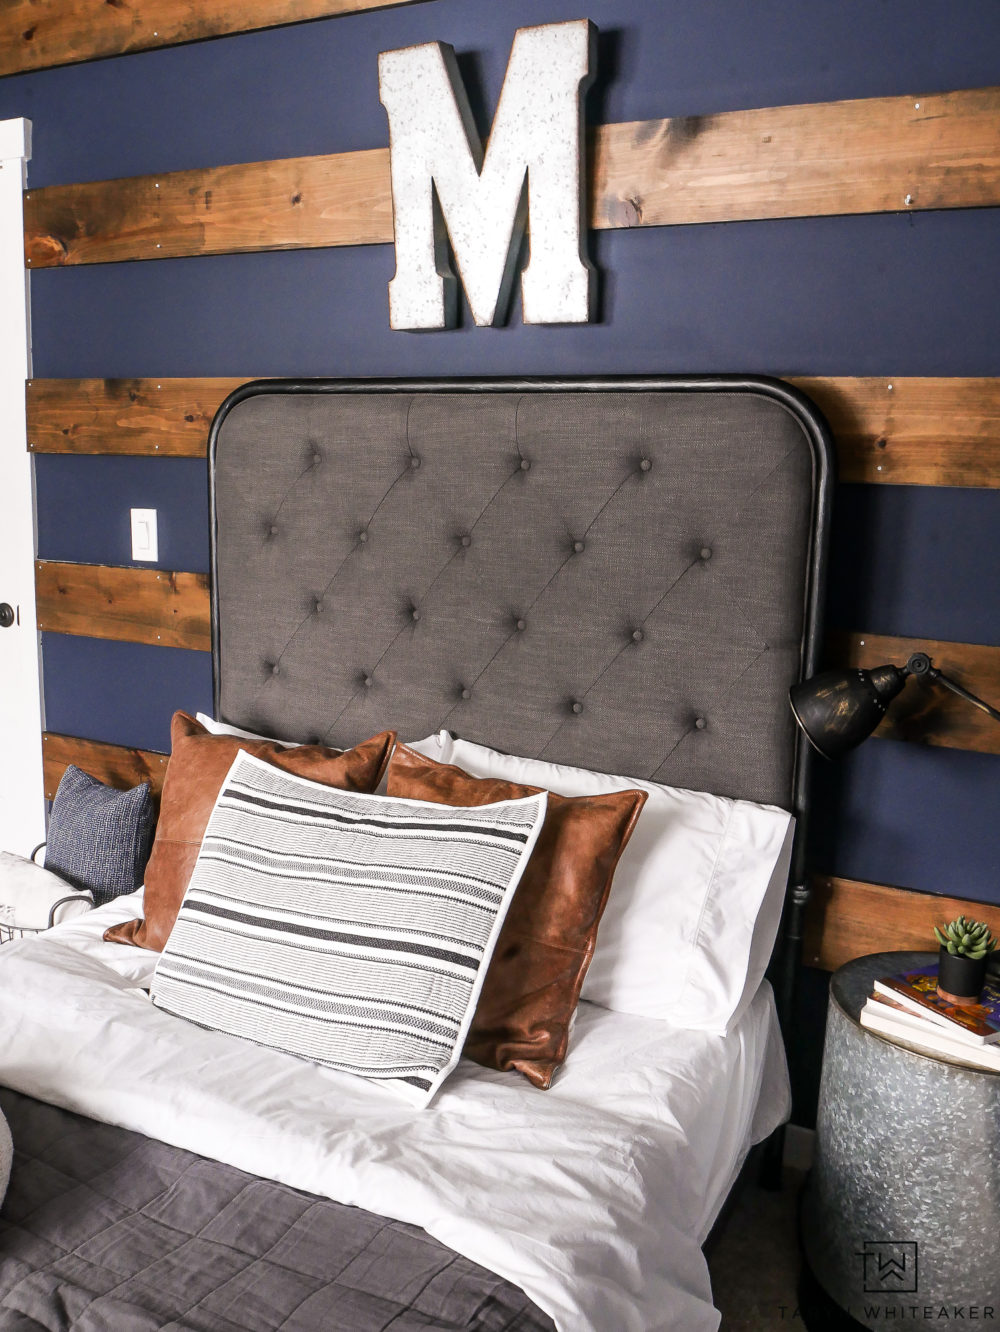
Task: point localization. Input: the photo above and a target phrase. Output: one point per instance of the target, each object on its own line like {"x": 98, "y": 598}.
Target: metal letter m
{"x": 445, "y": 187}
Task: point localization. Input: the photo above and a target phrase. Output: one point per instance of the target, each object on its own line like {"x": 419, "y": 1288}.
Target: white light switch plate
{"x": 144, "y": 545}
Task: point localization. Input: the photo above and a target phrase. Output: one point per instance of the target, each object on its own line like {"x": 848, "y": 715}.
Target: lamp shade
{"x": 839, "y": 709}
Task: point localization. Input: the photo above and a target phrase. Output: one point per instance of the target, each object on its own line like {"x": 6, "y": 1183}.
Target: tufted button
{"x": 637, "y": 635}
{"x": 700, "y": 723}
{"x": 577, "y": 707}
{"x": 519, "y": 625}
{"x": 414, "y": 614}
{"x": 273, "y": 529}
{"x": 466, "y": 540}
{"x": 275, "y": 669}
{"x": 414, "y": 461}
{"x": 316, "y": 457}
{"x": 525, "y": 464}
{"x": 363, "y": 536}
{"x": 318, "y": 606}
{"x": 367, "y": 681}
{"x": 706, "y": 552}
{"x": 645, "y": 464}
{"x": 578, "y": 547}
{"x": 466, "y": 693}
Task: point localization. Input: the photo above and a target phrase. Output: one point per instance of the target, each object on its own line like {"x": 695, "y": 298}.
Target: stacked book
{"x": 908, "y": 1008}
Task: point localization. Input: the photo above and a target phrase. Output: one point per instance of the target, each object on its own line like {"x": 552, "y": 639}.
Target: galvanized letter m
{"x": 445, "y": 187}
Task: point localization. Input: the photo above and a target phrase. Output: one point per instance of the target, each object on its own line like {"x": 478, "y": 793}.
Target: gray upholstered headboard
{"x": 619, "y": 574}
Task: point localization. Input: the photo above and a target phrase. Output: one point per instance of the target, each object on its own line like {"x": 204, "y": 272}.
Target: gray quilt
{"x": 104, "y": 1230}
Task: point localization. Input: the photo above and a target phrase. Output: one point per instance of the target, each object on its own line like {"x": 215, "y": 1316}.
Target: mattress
{"x": 593, "y": 1198}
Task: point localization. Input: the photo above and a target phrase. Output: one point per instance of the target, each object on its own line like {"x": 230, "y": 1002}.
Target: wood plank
{"x": 36, "y": 34}
{"x": 112, "y": 764}
{"x": 922, "y": 432}
{"x": 865, "y": 156}
{"x": 927, "y": 713}
{"x": 912, "y": 430}
{"x": 846, "y": 918}
{"x": 130, "y": 605}
{"x": 870, "y": 155}
{"x": 169, "y": 418}
{"x": 287, "y": 204}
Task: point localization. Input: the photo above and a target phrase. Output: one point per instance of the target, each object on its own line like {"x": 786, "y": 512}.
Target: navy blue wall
{"x": 898, "y": 294}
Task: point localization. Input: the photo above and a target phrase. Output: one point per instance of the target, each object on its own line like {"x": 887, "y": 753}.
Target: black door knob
{"x": 6, "y": 615}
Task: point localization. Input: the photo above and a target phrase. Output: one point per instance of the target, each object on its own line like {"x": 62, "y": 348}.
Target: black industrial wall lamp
{"x": 839, "y": 709}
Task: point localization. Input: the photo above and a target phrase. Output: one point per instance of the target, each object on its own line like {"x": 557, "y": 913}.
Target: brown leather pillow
{"x": 533, "y": 983}
{"x": 199, "y": 762}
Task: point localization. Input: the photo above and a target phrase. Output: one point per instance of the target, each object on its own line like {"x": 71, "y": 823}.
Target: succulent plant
{"x": 966, "y": 938}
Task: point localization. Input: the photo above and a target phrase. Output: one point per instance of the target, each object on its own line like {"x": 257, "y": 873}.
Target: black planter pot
{"x": 961, "y": 978}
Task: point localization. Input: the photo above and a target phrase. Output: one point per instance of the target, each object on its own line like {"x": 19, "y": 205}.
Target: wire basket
{"x": 9, "y": 932}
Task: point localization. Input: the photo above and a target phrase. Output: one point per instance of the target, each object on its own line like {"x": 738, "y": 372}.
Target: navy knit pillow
{"x": 99, "y": 838}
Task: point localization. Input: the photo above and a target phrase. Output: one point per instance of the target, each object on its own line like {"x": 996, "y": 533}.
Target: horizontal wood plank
{"x": 924, "y": 712}
{"x": 111, "y": 764}
{"x": 846, "y": 918}
{"x": 286, "y": 204}
{"x": 870, "y": 155}
{"x": 169, "y": 418}
{"x": 920, "y": 432}
{"x": 130, "y": 605}
{"x": 912, "y": 430}
{"x": 36, "y": 34}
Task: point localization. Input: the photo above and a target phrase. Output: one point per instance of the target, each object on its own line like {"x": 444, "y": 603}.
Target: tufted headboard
{"x": 621, "y": 574}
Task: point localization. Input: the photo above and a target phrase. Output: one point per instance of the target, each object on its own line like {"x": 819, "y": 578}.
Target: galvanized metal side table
{"x": 901, "y": 1212}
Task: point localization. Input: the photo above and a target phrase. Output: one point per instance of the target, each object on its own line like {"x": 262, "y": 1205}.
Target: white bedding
{"x": 594, "y": 1196}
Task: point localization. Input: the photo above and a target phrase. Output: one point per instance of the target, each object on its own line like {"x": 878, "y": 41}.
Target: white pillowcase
{"x": 697, "y": 896}
{"x": 214, "y": 727}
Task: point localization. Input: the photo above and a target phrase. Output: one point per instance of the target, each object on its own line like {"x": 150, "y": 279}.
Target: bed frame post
{"x": 787, "y": 962}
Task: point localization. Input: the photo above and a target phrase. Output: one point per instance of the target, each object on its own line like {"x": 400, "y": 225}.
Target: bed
{"x": 616, "y": 575}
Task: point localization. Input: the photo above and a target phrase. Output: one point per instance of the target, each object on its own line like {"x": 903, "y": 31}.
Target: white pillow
{"x": 33, "y": 898}
{"x": 214, "y": 727}
{"x": 352, "y": 930}
{"x": 697, "y": 896}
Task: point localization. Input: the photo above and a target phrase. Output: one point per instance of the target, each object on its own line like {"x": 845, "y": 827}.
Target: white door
{"x": 22, "y": 803}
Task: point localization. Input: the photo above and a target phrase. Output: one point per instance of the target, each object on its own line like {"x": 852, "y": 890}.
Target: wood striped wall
{"x": 862, "y": 156}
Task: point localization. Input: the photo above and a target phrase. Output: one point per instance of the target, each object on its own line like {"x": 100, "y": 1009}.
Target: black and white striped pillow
{"x": 353, "y": 930}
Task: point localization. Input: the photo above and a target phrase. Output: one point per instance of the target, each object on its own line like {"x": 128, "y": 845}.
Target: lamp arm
{"x": 940, "y": 678}
{"x": 920, "y": 665}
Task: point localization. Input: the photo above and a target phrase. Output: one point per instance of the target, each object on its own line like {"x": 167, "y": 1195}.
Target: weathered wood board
{"x": 130, "y": 605}
{"x": 846, "y": 918}
{"x": 35, "y": 34}
{"x": 871, "y": 155}
{"x": 916, "y": 432}
{"x": 167, "y": 418}
{"x": 112, "y": 764}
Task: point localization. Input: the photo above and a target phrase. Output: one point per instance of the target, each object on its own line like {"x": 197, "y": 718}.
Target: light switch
{"x": 144, "y": 544}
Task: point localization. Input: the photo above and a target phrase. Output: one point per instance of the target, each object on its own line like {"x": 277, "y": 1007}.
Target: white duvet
{"x": 594, "y": 1197}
